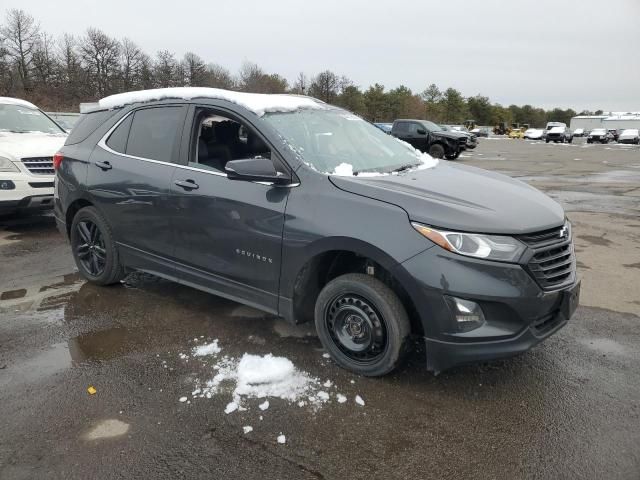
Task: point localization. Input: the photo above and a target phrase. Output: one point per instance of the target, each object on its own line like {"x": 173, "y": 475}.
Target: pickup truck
{"x": 430, "y": 138}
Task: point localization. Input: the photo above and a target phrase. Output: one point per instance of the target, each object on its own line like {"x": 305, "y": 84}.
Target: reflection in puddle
{"x": 46, "y": 363}
{"x": 604, "y": 345}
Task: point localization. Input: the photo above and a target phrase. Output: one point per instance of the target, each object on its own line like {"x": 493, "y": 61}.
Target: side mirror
{"x": 255, "y": 170}
{"x": 421, "y": 131}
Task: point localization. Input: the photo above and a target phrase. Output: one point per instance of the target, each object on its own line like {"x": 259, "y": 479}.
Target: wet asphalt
{"x": 569, "y": 408}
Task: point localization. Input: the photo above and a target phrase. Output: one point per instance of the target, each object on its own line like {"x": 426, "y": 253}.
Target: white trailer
{"x": 617, "y": 120}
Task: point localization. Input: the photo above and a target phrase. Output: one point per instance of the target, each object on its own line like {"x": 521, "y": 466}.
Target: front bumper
{"x": 25, "y": 191}
{"x": 519, "y": 314}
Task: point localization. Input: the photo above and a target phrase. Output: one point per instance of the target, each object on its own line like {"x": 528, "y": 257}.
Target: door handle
{"x": 187, "y": 184}
{"x": 104, "y": 165}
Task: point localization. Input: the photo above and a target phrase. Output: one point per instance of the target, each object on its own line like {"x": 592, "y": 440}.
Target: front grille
{"x": 462, "y": 140}
{"x": 39, "y": 165}
{"x": 553, "y": 263}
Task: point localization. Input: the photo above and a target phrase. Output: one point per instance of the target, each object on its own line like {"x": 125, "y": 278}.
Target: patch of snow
{"x": 209, "y": 349}
{"x": 282, "y": 439}
{"x": 326, "y": 355}
{"x": 327, "y": 384}
{"x": 258, "y": 103}
{"x": 323, "y": 396}
{"x": 341, "y": 398}
{"x": 182, "y": 399}
{"x": 264, "y": 405}
{"x": 16, "y": 101}
{"x": 269, "y": 376}
{"x": 231, "y": 407}
{"x": 359, "y": 400}
{"x": 247, "y": 429}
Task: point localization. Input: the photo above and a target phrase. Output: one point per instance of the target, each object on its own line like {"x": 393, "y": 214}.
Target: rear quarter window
{"x": 87, "y": 124}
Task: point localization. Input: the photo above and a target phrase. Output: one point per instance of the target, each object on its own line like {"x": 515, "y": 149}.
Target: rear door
{"x": 129, "y": 179}
{"x": 228, "y": 232}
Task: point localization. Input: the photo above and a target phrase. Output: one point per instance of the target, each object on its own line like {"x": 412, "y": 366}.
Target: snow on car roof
{"x": 16, "y": 101}
{"x": 259, "y": 103}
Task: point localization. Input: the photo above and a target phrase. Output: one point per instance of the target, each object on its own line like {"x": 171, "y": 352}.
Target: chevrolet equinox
{"x": 306, "y": 211}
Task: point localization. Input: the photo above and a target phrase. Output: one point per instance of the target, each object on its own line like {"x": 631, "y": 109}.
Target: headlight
{"x": 491, "y": 247}
{"x": 7, "y": 165}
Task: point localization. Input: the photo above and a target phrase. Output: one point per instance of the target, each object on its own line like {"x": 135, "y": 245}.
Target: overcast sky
{"x": 583, "y": 54}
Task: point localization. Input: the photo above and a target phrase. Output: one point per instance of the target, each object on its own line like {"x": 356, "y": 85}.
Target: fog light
{"x": 467, "y": 314}
{"x": 6, "y": 185}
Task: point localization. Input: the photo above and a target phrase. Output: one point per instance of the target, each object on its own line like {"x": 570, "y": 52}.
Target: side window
{"x": 414, "y": 128}
{"x": 218, "y": 139}
{"x": 155, "y": 132}
{"x": 117, "y": 141}
{"x": 402, "y": 127}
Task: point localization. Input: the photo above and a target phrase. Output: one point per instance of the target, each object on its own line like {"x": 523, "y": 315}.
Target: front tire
{"x": 362, "y": 324}
{"x": 94, "y": 249}
{"x": 453, "y": 156}
{"x": 436, "y": 151}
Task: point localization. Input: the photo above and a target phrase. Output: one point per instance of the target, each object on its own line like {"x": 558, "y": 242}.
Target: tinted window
{"x": 88, "y": 124}
{"x": 402, "y": 127}
{"x": 154, "y": 133}
{"x": 118, "y": 139}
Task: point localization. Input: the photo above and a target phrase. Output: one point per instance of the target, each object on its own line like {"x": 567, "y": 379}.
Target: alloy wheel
{"x": 91, "y": 250}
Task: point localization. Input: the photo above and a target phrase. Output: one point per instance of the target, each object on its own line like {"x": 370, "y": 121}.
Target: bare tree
{"x": 45, "y": 65}
{"x": 325, "y": 86}
{"x": 21, "y": 33}
{"x": 165, "y": 69}
{"x": 218, "y": 77}
{"x": 131, "y": 62}
{"x": 301, "y": 84}
{"x": 101, "y": 54}
{"x": 6, "y": 73}
{"x": 195, "y": 70}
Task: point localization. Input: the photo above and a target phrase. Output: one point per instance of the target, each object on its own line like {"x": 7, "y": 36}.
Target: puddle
{"x": 613, "y": 176}
{"x": 45, "y": 363}
{"x": 13, "y": 294}
{"x": 605, "y": 346}
{"x": 593, "y": 202}
{"x": 109, "y": 428}
{"x": 595, "y": 240}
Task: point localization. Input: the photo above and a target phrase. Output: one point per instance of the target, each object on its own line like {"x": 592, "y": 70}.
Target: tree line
{"x": 59, "y": 73}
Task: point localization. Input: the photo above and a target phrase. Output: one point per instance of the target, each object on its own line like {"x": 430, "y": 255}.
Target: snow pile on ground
{"x": 259, "y": 103}
{"x": 209, "y": 349}
{"x": 261, "y": 377}
{"x": 269, "y": 376}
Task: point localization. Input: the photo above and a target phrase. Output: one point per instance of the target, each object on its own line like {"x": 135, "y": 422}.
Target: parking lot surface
{"x": 569, "y": 408}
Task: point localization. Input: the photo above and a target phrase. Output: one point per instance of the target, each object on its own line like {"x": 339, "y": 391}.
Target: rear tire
{"x": 94, "y": 249}
{"x": 362, "y": 324}
{"x": 436, "y": 151}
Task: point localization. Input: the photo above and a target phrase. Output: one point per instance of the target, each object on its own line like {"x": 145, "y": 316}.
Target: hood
{"x": 448, "y": 134}
{"x": 23, "y": 145}
{"x": 463, "y": 198}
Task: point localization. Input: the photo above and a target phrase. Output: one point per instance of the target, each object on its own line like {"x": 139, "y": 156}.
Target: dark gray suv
{"x": 308, "y": 212}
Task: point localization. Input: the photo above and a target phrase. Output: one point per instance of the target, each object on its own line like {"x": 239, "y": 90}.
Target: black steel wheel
{"x": 356, "y": 328}
{"x": 94, "y": 249}
{"x": 362, "y": 323}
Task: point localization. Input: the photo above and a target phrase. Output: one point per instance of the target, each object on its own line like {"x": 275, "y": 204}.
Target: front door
{"x": 228, "y": 232}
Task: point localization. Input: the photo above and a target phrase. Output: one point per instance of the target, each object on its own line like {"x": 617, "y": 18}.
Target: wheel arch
{"x": 332, "y": 257}
{"x": 73, "y": 208}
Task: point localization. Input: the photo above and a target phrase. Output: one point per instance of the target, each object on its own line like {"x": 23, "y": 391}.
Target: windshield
{"x": 327, "y": 138}
{"x": 432, "y": 127}
{"x": 19, "y": 119}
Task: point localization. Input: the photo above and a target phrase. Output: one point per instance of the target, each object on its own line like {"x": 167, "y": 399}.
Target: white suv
{"x": 28, "y": 141}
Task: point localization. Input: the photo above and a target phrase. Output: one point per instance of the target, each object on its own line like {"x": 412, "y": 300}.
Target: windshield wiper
{"x": 404, "y": 167}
